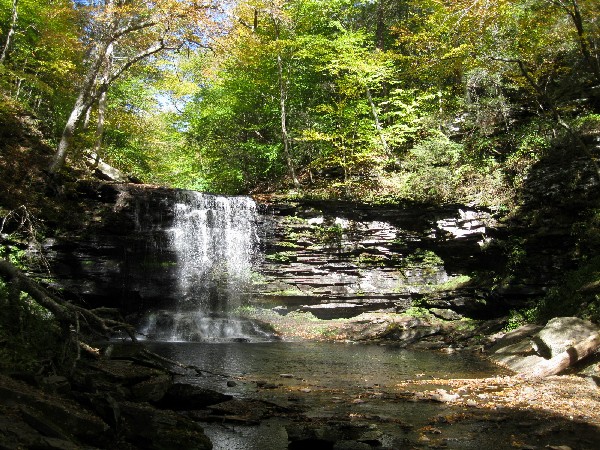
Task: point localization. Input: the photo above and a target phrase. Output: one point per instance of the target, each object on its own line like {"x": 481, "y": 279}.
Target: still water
{"x": 324, "y": 365}
{"x": 328, "y": 381}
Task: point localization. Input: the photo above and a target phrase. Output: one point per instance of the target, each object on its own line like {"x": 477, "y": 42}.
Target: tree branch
{"x": 159, "y": 46}
{"x": 66, "y": 313}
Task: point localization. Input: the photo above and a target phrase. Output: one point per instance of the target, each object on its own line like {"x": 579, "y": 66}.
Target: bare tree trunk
{"x": 284, "y": 132}
{"x": 560, "y": 362}
{"x": 283, "y": 110}
{"x": 81, "y": 105}
{"x": 84, "y": 100}
{"x": 380, "y": 27}
{"x": 378, "y": 126}
{"x": 571, "y": 7}
{"x": 102, "y": 103}
{"x": 11, "y": 31}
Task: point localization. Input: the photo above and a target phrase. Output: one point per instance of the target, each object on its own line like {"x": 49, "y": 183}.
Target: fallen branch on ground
{"x": 565, "y": 359}
{"x": 67, "y": 314}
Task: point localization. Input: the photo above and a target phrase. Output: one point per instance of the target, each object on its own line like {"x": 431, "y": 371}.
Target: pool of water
{"x": 329, "y": 381}
{"x": 322, "y": 365}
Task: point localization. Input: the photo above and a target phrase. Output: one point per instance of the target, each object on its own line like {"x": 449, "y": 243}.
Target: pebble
{"x": 286, "y": 375}
{"x": 306, "y": 390}
{"x": 231, "y": 383}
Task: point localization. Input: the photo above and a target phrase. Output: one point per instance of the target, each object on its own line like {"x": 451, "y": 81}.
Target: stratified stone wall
{"x": 332, "y": 258}
{"x": 339, "y": 259}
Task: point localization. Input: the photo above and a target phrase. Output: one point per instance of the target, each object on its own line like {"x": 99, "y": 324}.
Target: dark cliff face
{"x": 334, "y": 259}
{"x": 120, "y": 257}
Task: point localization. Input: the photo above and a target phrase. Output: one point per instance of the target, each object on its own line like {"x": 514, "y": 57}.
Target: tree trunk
{"x": 283, "y": 110}
{"x": 380, "y": 27}
{"x": 284, "y": 132}
{"x": 11, "y": 31}
{"x": 384, "y": 143}
{"x": 565, "y": 359}
{"x": 584, "y": 43}
{"x": 81, "y": 106}
{"x": 102, "y": 103}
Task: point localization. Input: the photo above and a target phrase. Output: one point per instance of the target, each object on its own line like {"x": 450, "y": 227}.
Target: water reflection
{"x": 323, "y": 365}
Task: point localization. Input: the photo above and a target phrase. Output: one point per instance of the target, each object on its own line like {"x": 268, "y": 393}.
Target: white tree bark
{"x": 560, "y": 362}
{"x": 102, "y": 102}
{"x": 11, "y": 30}
{"x": 131, "y": 26}
{"x": 378, "y": 126}
{"x": 283, "y": 110}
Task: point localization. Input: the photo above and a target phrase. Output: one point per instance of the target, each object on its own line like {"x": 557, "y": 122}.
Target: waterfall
{"x": 214, "y": 239}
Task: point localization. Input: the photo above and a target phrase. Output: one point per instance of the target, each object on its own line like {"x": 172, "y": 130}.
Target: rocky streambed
{"x": 334, "y": 395}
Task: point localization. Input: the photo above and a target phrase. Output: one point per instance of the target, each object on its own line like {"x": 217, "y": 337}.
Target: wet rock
{"x": 408, "y": 329}
{"x": 334, "y": 435}
{"x": 152, "y": 389}
{"x": 182, "y": 397}
{"x": 50, "y": 415}
{"x": 446, "y": 314}
{"x": 351, "y": 445}
{"x": 56, "y": 384}
{"x": 150, "y": 428}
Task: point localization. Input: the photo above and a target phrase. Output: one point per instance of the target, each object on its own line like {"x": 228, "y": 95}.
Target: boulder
{"x": 446, "y": 314}
{"x": 561, "y": 333}
{"x": 50, "y": 416}
{"x": 147, "y": 427}
{"x": 530, "y": 346}
{"x": 184, "y": 397}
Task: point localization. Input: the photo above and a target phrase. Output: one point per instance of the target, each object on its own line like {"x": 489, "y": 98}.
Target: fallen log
{"x": 65, "y": 313}
{"x": 565, "y": 359}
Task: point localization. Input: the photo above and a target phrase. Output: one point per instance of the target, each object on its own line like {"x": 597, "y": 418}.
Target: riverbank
{"x": 357, "y": 399}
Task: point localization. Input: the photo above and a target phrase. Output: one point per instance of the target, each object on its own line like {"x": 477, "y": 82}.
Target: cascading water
{"x": 215, "y": 240}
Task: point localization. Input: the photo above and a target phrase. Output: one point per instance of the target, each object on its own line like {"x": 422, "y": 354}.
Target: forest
{"x": 422, "y": 100}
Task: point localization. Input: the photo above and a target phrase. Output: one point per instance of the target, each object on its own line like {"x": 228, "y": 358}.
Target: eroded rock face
{"x": 339, "y": 259}
{"x": 331, "y": 258}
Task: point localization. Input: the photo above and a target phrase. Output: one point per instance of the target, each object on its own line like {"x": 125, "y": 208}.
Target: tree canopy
{"x": 414, "y": 99}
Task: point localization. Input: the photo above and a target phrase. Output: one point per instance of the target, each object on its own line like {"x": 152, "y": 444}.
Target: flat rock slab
{"x": 530, "y": 345}
{"x": 561, "y": 333}
{"x": 182, "y": 397}
{"x": 48, "y": 415}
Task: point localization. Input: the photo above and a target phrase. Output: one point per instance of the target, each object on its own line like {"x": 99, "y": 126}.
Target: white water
{"x": 215, "y": 240}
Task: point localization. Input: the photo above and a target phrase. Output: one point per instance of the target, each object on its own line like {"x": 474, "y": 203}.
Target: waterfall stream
{"x": 215, "y": 242}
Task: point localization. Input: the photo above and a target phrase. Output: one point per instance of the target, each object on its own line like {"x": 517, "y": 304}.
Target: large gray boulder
{"x": 528, "y": 346}
{"x": 561, "y": 333}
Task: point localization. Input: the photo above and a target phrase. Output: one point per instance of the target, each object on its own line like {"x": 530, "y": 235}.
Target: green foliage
{"x": 43, "y": 59}
{"x": 577, "y": 294}
{"x": 30, "y": 337}
{"x": 414, "y": 311}
{"x": 588, "y": 123}
{"x": 454, "y": 283}
{"x": 282, "y": 257}
{"x": 518, "y": 318}
{"x": 422, "y": 258}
